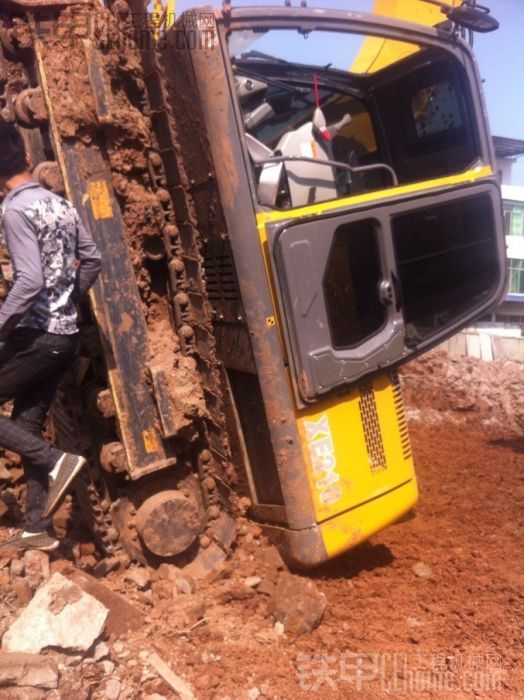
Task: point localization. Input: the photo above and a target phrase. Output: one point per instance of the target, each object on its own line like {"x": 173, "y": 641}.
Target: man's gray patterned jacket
{"x": 45, "y": 238}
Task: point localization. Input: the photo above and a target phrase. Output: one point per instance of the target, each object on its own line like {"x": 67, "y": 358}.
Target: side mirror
{"x": 477, "y": 18}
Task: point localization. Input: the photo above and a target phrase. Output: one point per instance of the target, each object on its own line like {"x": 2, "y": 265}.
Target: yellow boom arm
{"x": 378, "y": 53}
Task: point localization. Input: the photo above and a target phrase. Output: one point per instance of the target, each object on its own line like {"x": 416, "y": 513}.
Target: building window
{"x": 513, "y": 220}
{"x": 516, "y": 276}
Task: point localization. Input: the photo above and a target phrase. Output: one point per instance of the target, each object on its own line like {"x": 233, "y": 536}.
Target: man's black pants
{"x": 31, "y": 365}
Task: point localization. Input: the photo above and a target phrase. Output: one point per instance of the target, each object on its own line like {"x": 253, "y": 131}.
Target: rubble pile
{"x": 439, "y": 387}
{"x": 66, "y": 633}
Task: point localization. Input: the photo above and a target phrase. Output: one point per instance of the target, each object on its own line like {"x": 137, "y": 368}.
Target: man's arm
{"x": 90, "y": 262}
{"x": 24, "y": 251}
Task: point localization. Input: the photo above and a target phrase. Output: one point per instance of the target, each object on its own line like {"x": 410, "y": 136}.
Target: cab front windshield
{"x": 331, "y": 114}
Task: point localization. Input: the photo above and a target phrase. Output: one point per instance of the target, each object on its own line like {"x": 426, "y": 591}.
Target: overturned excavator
{"x": 290, "y": 203}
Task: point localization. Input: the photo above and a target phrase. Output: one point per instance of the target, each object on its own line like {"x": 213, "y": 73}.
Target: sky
{"x": 500, "y": 56}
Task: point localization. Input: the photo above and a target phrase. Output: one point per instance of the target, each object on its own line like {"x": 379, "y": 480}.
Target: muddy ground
{"x": 430, "y": 608}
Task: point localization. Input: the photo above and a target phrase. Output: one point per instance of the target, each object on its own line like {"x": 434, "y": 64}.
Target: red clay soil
{"x": 464, "y": 623}
{"x": 455, "y": 634}
{"x": 430, "y": 608}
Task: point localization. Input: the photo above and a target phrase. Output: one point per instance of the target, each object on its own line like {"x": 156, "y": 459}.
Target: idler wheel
{"x": 30, "y": 108}
{"x": 169, "y": 522}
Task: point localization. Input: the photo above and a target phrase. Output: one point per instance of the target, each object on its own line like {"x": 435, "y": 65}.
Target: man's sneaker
{"x": 61, "y": 478}
{"x": 32, "y": 540}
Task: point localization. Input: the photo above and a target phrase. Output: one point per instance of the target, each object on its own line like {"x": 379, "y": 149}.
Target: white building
{"x": 511, "y": 311}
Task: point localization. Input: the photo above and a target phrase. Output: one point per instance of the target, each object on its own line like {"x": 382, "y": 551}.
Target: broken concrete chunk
{"x": 297, "y": 604}
{"x": 123, "y": 616}
{"x": 27, "y": 670}
{"x": 60, "y": 615}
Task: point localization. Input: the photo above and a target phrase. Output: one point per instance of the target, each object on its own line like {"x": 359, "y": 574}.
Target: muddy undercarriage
{"x": 85, "y": 86}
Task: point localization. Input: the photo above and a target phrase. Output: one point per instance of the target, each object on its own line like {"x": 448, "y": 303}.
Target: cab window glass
{"x": 331, "y": 114}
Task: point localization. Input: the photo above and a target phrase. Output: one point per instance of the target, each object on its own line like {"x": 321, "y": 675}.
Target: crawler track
{"x": 85, "y": 86}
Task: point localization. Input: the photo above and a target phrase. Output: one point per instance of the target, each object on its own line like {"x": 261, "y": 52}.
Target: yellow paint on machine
{"x": 100, "y": 199}
{"x": 376, "y": 52}
{"x": 150, "y": 440}
{"x": 355, "y": 445}
{"x": 358, "y": 525}
{"x": 368, "y": 453}
{"x": 378, "y": 196}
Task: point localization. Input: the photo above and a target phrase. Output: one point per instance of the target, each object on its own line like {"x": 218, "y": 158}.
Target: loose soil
{"x": 453, "y": 631}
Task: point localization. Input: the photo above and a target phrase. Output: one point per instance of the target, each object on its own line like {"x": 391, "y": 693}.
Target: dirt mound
{"x": 440, "y": 387}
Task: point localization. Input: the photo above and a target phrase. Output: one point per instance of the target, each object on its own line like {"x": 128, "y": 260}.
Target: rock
{"x": 234, "y": 591}
{"x": 74, "y": 660}
{"x": 36, "y": 566}
{"x": 297, "y": 604}
{"x": 422, "y": 570}
{"x": 163, "y": 589}
{"x": 105, "y": 566}
{"x": 28, "y": 670}
{"x": 155, "y": 696}
{"x": 413, "y": 622}
{"x": 266, "y": 587}
{"x": 86, "y": 548}
{"x": 123, "y": 616}
{"x": 5, "y": 474}
{"x": 4, "y": 508}
{"x": 23, "y": 591}
{"x": 220, "y": 571}
{"x": 140, "y": 577}
{"x": 60, "y": 615}
{"x": 17, "y": 568}
{"x": 101, "y": 651}
{"x": 89, "y": 561}
{"x": 252, "y": 581}
{"x": 25, "y": 693}
{"x": 107, "y": 667}
{"x": 253, "y": 693}
{"x": 271, "y": 558}
{"x": 146, "y": 597}
{"x": 168, "y": 572}
{"x": 62, "y": 566}
{"x": 118, "y": 647}
{"x": 185, "y": 584}
{"x": 112, "y": 689}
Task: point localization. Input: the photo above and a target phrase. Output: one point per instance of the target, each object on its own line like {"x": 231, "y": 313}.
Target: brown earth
{"x": 431, "y": 607}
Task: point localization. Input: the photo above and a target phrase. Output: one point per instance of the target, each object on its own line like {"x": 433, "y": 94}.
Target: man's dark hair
{"x": 12, "y": 151}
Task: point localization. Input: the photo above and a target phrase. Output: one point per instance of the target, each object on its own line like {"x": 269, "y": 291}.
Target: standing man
{"x": 54, "y": 263}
